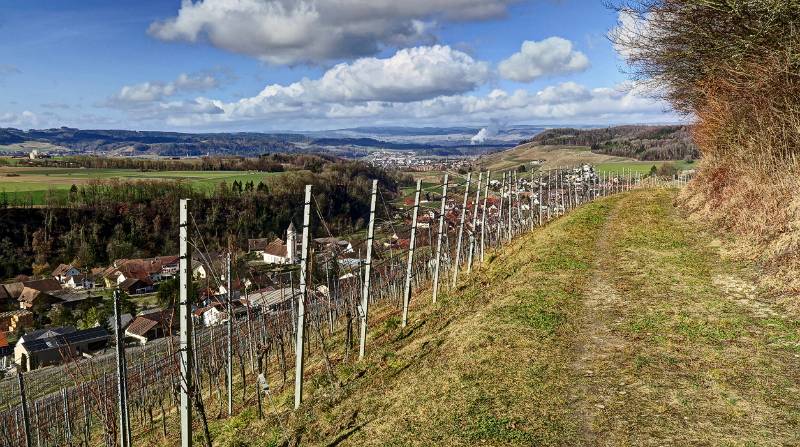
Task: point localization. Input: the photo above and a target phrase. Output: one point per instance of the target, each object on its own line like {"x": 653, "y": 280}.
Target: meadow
{"x": 32, "y": 184}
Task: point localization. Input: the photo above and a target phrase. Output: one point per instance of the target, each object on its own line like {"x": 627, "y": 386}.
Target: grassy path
{"x": 619, "y": 324}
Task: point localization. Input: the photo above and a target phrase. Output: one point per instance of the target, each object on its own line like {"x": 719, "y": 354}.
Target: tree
{"x": 60, "y": 316}
{"x": 522, "y": 168}
{"x": 168, "y": 292}
{"x": 653, "y": 171}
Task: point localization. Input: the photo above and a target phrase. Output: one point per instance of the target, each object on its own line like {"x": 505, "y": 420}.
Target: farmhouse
{"x": 152, "y": 325}
{"x": 64, "y": 271}
{"x": 136, "y": 286}
{"x": 79, "y": 281}
{"x": 51, "y": 346}
{"x": 37, "y": 294}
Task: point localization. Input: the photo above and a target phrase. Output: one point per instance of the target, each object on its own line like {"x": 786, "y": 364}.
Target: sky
{"x": 267, "y": 65}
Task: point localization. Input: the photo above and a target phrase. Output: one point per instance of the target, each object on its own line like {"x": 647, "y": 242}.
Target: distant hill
{"x": 129, "y": 142}
{"x": 640, "y": 142}
{"x": 342, "y": 143}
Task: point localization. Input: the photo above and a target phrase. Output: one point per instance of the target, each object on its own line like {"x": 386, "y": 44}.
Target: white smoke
{"x": 487, "y": 132}
{"x": 481, "y": 136}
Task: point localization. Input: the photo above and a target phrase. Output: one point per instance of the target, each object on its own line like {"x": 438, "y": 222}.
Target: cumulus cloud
{"x": 416, "y": 86}
{"x": 317, "y": 31}
{"x": 410, "y": 75}
{"x": 549, "y": 57}
{"x": 25, "y": 119}
{"x": 630, "y": 26}
{"x": 147, "y": 92}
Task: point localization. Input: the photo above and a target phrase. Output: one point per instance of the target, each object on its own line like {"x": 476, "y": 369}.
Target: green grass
{"x": 36, "y": 182}
{"x": 607, "y": 327}
{"x": 641, "y": 167}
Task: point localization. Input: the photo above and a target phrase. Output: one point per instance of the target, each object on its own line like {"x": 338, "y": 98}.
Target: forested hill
{"x": 640, "y": 142}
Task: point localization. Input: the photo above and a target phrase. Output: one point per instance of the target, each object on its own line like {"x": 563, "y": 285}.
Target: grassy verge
{"x": 619, "y": 324}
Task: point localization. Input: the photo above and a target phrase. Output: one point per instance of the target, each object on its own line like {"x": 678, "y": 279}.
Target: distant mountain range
{"x": 353, "y": 142}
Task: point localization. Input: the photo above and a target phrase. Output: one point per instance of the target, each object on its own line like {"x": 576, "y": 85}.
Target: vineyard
{"x": 174, "y": 385}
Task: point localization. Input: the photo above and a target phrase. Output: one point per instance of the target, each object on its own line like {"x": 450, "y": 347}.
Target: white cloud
{"x": 316, "y": 31}
{"x": 416, "y": 86}
{"x": 630, "y": 27}
{"x": 147, "y": 92}
{"x": 549, "y": 57}
{"x": 410, "y": 75}
{"x": 25, "y": 119}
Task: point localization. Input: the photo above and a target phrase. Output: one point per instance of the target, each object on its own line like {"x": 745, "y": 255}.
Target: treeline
{"x": 103, "y": 221}
{"x": 158, "y": 143}
{"x": 640, "y": 142}
{"x": 278, "y": 162}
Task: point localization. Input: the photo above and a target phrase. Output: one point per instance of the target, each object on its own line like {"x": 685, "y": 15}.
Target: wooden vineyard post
{"x": 461, "y": 229}
{"x": 26, "y": 421}
{"x": 437, "y": 264}
{"x": 301, "y": 305}
{"x": 122, "y": 398}
{"x": 185, "y": 315}
{"x": 410, "y": 266}
{"x": 229, "y": 336}
{"x": 474, "y": 222}
{"x": 364, "y": 311}
{"x": 483, "y": 215}
{"x": 500, "y": 213}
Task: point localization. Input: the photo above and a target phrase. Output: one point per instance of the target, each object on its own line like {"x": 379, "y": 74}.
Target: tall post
{"x": 437, "y": 265}
{"x": 124, "y": 422}
{"x": 549, "y": 189}
{"x": 541, "y": 202}
{"x": 510, "y": 205}
{"x": 411, "y": 245}
{"x": 483, "y": 214}
{"x": 301, "y": 305}
{"x": 229, "y": 335}
{"x": 500, "y": 213}
{"x": 461, "y": 229}
{"x": 474, "y": 222}
{"x": 185, "y": 315}
{"x": 367, "y": 272}
{"x": 519, "y": 203}
{"x": 530, "y": 212}
{"x": 26, "y": 422}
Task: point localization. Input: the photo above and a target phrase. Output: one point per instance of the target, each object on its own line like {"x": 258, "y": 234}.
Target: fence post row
{"x": 53, "y": 417}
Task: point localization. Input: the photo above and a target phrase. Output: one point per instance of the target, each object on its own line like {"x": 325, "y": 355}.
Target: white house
{"x": 276, "y": 252}
{"x": 64, "y": 271}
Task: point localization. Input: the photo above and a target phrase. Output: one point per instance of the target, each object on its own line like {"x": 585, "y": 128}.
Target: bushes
{"x": 735, "y": 66}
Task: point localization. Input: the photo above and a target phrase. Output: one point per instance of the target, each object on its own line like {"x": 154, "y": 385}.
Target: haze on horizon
{"x": 266, "y": 65}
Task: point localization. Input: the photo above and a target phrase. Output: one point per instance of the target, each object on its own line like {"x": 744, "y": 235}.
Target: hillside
{"x": 639, "y": 142}
{"x": 619, "y": 324}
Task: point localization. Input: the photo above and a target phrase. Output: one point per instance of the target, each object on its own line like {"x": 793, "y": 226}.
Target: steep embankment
{"x": 619, "y": 324}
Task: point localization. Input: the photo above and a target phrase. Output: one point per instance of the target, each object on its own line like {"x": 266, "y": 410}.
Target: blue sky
{"x": 206, "y": 66}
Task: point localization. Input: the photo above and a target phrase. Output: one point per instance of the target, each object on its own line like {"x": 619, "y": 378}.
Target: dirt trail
{"x": 674, "y": 345}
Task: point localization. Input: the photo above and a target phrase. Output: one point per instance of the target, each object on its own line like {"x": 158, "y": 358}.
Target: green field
{"x": 642, "y": 167}
{"x": 34, "y": 183}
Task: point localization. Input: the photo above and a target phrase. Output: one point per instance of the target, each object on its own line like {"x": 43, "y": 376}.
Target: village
{"x": 49, "y": 320}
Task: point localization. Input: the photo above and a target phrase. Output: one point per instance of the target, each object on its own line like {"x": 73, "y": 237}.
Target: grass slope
{"x": 559, "y": 156}
{"x": 619, "y": 324}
